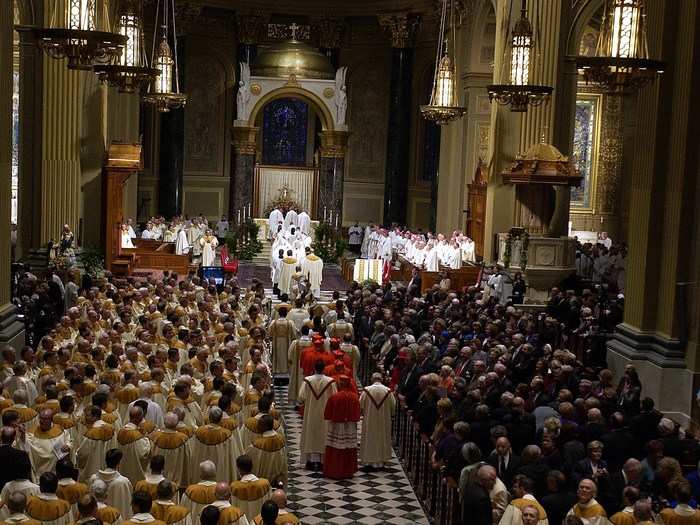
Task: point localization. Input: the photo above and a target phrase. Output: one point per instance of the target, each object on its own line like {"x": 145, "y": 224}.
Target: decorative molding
{"x": 328, "y": 92}
{"x": 244, "y": 140}
{"x": 255, "y": 89}
{"x": 251, "y": 27}
{"x": 330, "y": 32}
{"x": 287, "y": 32}
{"x": 334, "y": 144}
{"x": 402, "y": 28}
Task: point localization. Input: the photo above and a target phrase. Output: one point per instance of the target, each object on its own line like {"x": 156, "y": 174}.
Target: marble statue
{"x": 243, "y": 97}
{"x": 341, "y": 95}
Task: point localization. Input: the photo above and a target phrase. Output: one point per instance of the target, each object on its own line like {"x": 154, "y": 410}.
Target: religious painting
{"x": 585, "y": 150}
{"x": 284, "y": 132}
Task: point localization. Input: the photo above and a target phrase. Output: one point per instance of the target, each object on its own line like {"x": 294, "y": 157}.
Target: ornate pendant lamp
{"x": 444, "y": 107}
{"x": 77, "y": 33}
{"x": 162, "y": 95}
{"x": 519, "y": 93}
{"x": 621, "y": 63}
{"x": 130, "y": 73}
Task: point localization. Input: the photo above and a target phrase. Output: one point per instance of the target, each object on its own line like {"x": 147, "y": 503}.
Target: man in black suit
{"x": 618, "y": 443}
{"x": 16, "y": 462}
{"x": 408, "y": 383}
{"x": 504, "y": 461}
{"x": 476, "y": 503}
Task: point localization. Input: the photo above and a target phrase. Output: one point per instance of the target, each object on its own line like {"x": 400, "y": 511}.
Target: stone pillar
{"x": 660, "y": 293}
{"x": 172, "y": 150}
{"x": 331, "y": 172}
{"x": 403, "y": 29}
{"x": 330, "y": 38}
{"x": 61, "y": 174}
{"x": 11, "y": 331}
{"x": 244, "y": 148}
{"x": 512, "y": 134}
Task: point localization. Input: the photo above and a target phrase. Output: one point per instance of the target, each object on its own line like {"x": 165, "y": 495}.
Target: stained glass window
{"x": 285, "y": 122}
{"x": 586, "y": 149}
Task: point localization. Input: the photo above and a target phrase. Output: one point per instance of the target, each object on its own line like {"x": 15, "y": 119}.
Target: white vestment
{"x": 126, "y": 240}
{"x": 314, "y": 394}
{"x": 209, "y": 244}
{"x": 304, "y": 222}
{"x": 119, "y": 490}
{"x": 182, "y": 246}
{"x": 275, "y": 218}
{"x": 378, "y": 406}
{"x": 289, "y": 265}
{"x": 312, "y": 268}
{"x": 290, "y": 220}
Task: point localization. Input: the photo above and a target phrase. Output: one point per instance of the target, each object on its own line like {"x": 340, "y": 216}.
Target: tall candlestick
{"x": 324, "y": 213}
{"x": 249, "y": 210}
{"x": 238, "y": 221}
{"x": 336, "y": 220}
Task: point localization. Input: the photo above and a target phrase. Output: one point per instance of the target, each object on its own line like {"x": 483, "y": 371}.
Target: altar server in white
{"x": 291, "y": 219}
{"x": 312, "y": 269}
{"x": 304, "y": 223}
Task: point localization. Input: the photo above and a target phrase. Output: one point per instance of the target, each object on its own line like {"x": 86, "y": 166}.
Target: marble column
{"x": 172, "y": 151}
{"x": 331, "y": 172}
{"x": 402, "y": 29}
{"x": 11, "y": 331}
{"x": 244, "y": 149}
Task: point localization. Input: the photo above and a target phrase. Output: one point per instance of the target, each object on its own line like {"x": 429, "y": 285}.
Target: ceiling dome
{"x": 292, "y": 57}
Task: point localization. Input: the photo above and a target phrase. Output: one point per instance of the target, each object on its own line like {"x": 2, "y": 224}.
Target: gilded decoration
{"x": 334, "y": 144}
{"x": 282, "y": 59}
{"x": 586, "y": 151}
{"x": 255, "y": 89}
{"x": 244, "y": 140}
{"x": 328, "y": 92}
{"x": 288, "y": 32}
{"x": 292, "y": 81}
{"x": 610, "y": 155}
{"x": 402, "y": 28}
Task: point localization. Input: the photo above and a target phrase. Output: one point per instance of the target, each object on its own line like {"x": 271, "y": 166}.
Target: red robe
{"x": 308, "y": 358}
{"x": 342, "y": 413}
{"x": 332, "y": 371}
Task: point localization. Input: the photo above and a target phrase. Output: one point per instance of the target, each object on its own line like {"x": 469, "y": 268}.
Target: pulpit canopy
{"x": 543, "y": 164}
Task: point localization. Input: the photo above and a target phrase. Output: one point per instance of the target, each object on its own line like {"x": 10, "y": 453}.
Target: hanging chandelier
{"x": 161, "y": 94}
{"x": 130, "y": 73}
{"x": 519, "y": 93}
{"x": 444, "y": 107}
{"x": 621, "y": 63}
{"x": 75, "y": 33}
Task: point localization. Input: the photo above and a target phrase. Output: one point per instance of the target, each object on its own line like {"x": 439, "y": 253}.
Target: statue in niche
{"x": 341, "y": 95}
{"x": 243, "y": 97}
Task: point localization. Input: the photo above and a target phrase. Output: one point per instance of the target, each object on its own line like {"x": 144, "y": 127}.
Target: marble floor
{"x": 376, "y": 498}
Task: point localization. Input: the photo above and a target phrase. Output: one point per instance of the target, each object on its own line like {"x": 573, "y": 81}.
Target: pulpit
{"x": 476, "y": 210}
{"x": 122, "y": 161}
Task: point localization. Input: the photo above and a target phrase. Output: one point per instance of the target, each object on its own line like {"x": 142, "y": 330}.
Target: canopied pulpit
{"x": 123, "y": 160}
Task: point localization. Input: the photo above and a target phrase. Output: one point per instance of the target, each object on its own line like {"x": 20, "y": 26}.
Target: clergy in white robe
{"x": 276, "y": 217}
{"x": 21, "y": 382}
{"x": 432, "y": 259}
{"x": 173, "y": 446}
{"x": 135, "y": 446}
{"x": 222, "y": 227}
{"x": 289, "y": 265}
{"x": 304, "y": 223}
{"x": 312, "y": 269}
{"x": 378, "y": 406}
{"x": 282, "y": 332}
{"x": 268, "y": 452}
{"x": 208, "y": 243}
{"x": 126, "y": 241}
{"x": 294, "y": 353}
{"x": 212, "y": 441}
{"x": 96, "y": 441}
{"x": 290, "y": 219}
{"x": 587, "y": 508}
{"x": 250, "y": 491}
{"x": 228, "y": 514}
{"x": 119, "y": 488}
{"x": 182, "y": 245}
{"x": 199, "y": 495}
{"x": 523, "y": 500}
{"x": 314, "y": 393}
{"x": 46, "y": 507}
{"x": 19, "y": 486}
{"x": 47, "y": 442}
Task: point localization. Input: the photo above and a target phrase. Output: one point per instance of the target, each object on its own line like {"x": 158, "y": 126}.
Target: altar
{"x": 296, "y": 186}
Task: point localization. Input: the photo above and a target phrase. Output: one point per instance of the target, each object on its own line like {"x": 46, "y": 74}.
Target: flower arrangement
{"x": 329, "y": 244}
{"x": 243, "y": 242}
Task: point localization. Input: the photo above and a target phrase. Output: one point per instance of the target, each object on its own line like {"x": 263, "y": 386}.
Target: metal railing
{"x": 438, "y": 494}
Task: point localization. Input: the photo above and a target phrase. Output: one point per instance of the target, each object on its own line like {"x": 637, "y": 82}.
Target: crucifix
{"x": 294, "y": 28}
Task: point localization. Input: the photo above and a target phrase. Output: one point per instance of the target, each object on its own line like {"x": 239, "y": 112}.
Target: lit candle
{"x": 336, "y": 220}
{"x": 249, "y": 210}
{"x": 239, "y": 217}
{"x": 324, "y": 213}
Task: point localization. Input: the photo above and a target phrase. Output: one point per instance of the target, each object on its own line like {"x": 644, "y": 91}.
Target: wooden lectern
{"x": 122, "y": 161}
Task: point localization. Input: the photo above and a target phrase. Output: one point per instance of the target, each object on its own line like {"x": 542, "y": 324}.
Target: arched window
{"x": 285, "y": 123}
{"x": 15, "y": 117}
